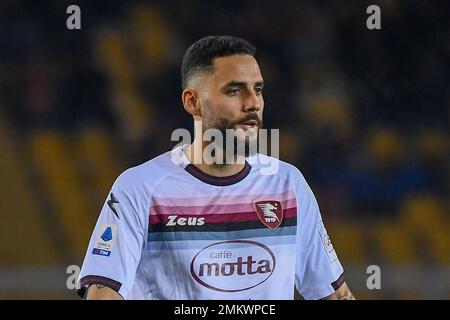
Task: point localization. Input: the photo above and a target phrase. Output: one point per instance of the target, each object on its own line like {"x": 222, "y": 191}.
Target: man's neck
{"x": 194, "y": 153}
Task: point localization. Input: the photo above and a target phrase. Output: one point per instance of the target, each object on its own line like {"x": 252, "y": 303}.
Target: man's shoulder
{"x": 270, "y": 165}
{"x": 150, "y": 171}
{"x": 284, "y": 170}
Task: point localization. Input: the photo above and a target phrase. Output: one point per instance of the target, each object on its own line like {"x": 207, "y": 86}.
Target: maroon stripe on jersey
{"x": 221, "y": 218}
{"x": 338, "y": 283}
{"x": 110, "y": 283}
{"x": 213, "y": 209}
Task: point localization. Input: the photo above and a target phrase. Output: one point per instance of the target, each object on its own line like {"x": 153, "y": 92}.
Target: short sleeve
{"x": 115, "y": 247}
{"x": 319, "y": 272}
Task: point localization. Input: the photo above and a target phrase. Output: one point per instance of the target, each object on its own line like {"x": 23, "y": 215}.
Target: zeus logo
{"x": 190, "y": 221}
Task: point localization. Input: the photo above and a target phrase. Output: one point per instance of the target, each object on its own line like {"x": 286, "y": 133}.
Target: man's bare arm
{"x": 343, "y": 293}
{"x": 101, "y": 292}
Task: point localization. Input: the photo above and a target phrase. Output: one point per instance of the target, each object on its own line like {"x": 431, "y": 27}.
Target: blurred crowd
{"x": 363, "y": 113}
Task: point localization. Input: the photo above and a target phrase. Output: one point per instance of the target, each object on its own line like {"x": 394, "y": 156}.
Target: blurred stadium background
{"x": 364, "y": 114}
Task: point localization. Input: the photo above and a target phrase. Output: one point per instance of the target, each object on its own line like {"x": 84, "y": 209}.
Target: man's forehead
{"x": 243, "y": 68}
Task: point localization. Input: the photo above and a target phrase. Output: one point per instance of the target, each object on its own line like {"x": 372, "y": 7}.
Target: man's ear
{"x": 191, "y": 103}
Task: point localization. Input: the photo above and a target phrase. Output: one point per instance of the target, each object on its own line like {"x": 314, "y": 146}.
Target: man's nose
{"x": 252, "y": 102}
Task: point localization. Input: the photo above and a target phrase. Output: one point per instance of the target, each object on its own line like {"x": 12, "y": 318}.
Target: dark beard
{"x": 223, "y": 124}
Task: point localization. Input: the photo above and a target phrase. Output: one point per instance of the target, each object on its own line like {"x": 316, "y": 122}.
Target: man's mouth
{"x": 250, "y": 124}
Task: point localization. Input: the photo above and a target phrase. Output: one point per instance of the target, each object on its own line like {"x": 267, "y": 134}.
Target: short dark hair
{"x": 201, "y": 54}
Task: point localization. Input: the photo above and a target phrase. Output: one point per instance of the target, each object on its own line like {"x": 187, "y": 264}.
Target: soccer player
{"x": 178, "y": 227}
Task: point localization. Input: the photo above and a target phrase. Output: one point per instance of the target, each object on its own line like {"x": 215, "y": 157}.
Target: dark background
{"x": 364, "y": 114}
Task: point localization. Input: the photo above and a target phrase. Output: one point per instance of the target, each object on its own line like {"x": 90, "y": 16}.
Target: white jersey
{"x": 169, "y": 231}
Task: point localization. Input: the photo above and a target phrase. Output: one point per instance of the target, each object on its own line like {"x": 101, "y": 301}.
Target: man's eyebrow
{"x": 242, "y": 84}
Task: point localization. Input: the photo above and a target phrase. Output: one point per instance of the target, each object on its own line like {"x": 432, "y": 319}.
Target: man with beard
{"x": 182, "y": 227}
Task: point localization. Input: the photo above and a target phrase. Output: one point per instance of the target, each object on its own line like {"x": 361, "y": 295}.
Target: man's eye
{"x": 259, "y": 90}
{"x": 234, "y": 92}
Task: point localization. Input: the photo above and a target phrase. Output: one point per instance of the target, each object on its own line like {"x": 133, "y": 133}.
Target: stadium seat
{"x": 56, "y": 166}
{"x": 396, "y": 244}
{"x": 385, "y": 145}
{"x": 128, "y": 105}
{"x": 349, "y": 241}
{"x": 97, "y": 150}
{"x": 151, "y": 36}
{"x": 25, "y": 238}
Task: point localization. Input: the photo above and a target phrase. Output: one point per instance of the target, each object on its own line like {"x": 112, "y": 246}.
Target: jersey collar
{"x": 209, "y": 179}
{"x": 219, "y": 181}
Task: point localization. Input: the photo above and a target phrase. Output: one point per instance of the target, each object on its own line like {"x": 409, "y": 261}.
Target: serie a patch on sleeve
{"x": 326, "y": 241}
{"x": 105, "y": 240}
